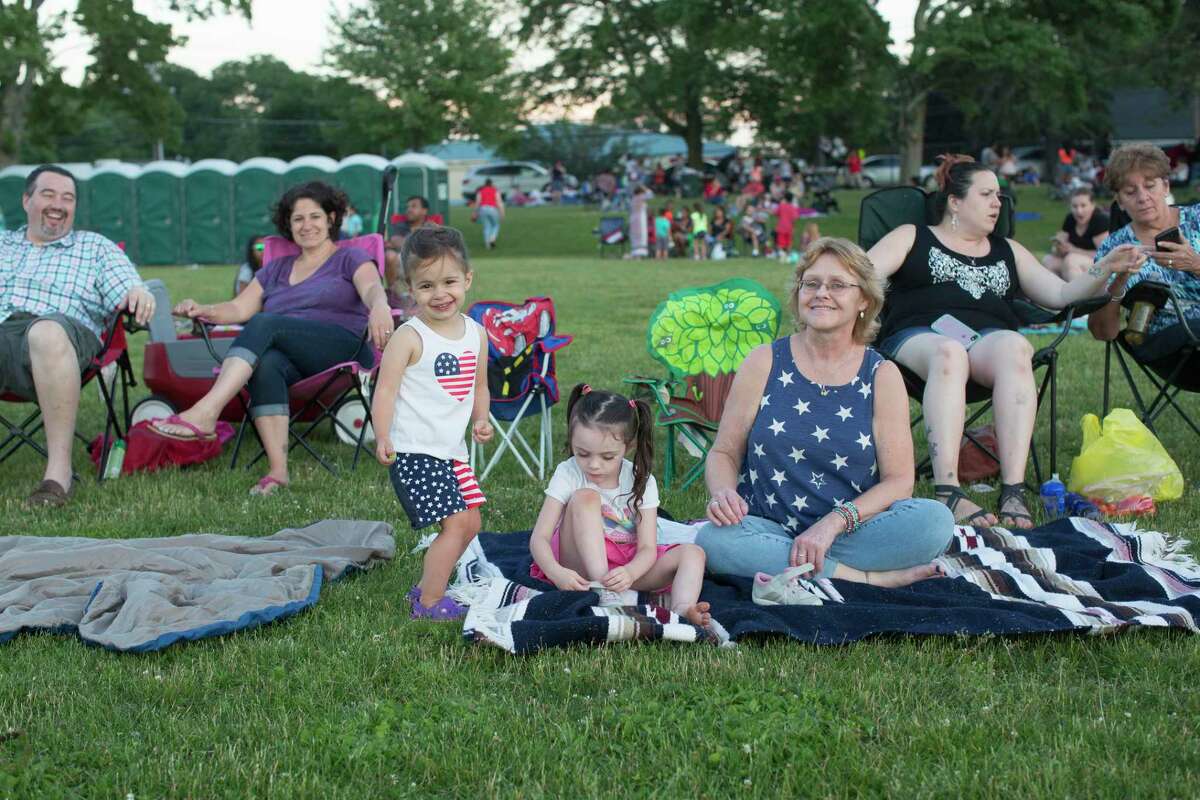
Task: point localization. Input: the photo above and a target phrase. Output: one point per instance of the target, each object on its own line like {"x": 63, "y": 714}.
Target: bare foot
{"x": 268, "y": 485}
{"x": 895, "y": 578}
{"x": 188, "y": 425}
{"x": 696, "y": 614}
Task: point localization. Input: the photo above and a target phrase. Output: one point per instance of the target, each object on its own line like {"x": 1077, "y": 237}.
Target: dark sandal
{"x": 1013, "y": 491}
{"x": 951, "y": 496}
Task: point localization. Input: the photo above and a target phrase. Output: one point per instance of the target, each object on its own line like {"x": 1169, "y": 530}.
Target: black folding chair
{"x": 885, "y": 210}
{"x": 113, "y": 351}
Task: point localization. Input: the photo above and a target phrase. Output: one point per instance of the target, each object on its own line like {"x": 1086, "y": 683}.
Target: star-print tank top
{"x": 437, "y": 393}
{"x": 810, "y": 446}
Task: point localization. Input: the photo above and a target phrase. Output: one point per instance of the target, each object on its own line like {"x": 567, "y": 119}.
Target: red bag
{"x": 973, "y": 463}
{"x": 146, "y": 450}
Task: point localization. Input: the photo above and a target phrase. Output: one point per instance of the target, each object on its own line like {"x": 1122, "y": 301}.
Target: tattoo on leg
{"x": 1095, "y": 270}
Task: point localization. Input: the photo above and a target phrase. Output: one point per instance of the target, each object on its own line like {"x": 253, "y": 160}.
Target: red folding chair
{"x": 322, "y": 396}
{"x": 113, "y": 350}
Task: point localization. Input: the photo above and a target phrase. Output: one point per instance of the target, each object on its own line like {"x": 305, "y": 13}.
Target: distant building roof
{"x": 461, "y": 150}
{"x": 1150, "y": 115}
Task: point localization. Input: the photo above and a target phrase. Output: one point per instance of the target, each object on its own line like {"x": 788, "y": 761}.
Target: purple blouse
{"x": 328, "y": 295}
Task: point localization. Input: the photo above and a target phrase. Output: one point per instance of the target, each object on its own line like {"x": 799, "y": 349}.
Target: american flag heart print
{"x": 455, "y": 374}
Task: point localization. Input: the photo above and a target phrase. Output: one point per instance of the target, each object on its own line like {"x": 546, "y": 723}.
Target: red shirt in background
{"x": 486, "y": 196}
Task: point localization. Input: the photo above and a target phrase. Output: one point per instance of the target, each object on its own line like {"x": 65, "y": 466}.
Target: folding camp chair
{"x": 113, "y": 352}
{"x": 613, "y": 231}
{"x": 887, "y": 209}
{"x": 522, "y": 379}
{"x": 319, "y": 397}
{"x": 1170, "y": 359}
{"x": 702, "y": 335}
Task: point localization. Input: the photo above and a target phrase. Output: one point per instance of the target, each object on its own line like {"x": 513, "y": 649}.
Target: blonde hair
{"x": 854, "y": 259}
{"x": 1137, "y": 157}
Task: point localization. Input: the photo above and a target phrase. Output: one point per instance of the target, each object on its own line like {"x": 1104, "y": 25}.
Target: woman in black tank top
{"x": 960, "y": 268}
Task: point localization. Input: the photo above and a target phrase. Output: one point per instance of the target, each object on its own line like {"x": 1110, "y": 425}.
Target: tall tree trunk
{"x": 13, "y": 105}
{"x": 912, "y": 136}
{"x": 694, "y": 133}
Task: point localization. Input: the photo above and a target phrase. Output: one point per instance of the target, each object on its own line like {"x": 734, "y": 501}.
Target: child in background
{"x": 432, "y": 383}
{"x": 599, "y": 522}
{"x": 811, "y": 234}
{"x": 662, "y": 234}
{"x": 699, "y": 233}
{"x": 250, "y": 267}
{"x": 787, "y": 212}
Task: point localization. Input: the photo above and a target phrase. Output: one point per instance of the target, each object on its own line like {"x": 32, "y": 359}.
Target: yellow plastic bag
{"x": 1122, "y": 460}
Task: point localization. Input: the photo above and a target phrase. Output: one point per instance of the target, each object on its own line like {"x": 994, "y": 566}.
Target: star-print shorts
{"x": 431, "y": 489}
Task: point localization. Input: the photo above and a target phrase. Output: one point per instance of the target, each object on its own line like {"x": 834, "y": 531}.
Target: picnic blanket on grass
{"x": 139, "y": 595}
{"x": 1072, "y": 575}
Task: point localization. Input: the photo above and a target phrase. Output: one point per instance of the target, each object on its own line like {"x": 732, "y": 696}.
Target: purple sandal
{"x": 442, "y": 610}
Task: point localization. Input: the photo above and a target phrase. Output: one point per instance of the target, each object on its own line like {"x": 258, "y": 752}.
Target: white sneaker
{"x": 787, "y": 588}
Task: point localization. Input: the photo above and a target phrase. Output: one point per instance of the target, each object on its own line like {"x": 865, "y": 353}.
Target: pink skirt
{"x": 619, "y": 554}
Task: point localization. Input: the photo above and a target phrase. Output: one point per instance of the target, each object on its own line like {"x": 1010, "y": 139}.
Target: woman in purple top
{"x": 302, "y": 314}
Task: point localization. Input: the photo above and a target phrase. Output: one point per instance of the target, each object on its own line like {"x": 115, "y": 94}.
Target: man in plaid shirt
{"x": 58, "y": 291}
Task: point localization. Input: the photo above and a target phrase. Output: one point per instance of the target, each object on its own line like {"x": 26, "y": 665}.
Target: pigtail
{"x": 643, "y": 454}
{"x": 577, "y": 392}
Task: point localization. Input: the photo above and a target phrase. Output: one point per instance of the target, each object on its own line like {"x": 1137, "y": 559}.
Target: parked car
{"x": 509, "y": 175}
{"x": 1030, "y": 157}
{"x": 884, "y": 170}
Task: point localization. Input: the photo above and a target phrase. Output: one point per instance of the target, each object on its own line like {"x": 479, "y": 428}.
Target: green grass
{"x": 351, "y": 700}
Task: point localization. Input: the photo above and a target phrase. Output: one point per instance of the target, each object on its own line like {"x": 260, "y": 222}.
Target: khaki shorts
{"x": 16, "y": 373}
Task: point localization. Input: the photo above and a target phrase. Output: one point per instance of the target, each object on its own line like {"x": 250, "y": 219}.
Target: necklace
{"x": 825, "y": 388}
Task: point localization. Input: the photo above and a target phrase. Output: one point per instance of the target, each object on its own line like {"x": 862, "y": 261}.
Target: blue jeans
{"x": 909, "y": 533}
{"x": 283, "y": 350}
{"x": 490, "y": 217}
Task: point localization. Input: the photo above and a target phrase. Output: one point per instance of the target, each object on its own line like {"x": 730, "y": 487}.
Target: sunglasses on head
{"x": 259, "y": 247}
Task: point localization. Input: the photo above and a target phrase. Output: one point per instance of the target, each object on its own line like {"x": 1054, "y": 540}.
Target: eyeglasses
{"x": 834, "y": 287}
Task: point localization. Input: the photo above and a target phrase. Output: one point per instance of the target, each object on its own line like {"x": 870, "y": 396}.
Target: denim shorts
{"x": 890, "y": 346}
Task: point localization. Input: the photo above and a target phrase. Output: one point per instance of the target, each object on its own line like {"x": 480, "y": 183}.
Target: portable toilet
{"x": 208, "y": 209}
{"x": 257, "y": 185}
{"x": 12, "y": 194}
{"x": 360, "y": 177}
{"x": 112, "y": 204}
{"x": 162, "y": 214}
{"x": 310, "y": 168}
{"x": 424, "y": 175}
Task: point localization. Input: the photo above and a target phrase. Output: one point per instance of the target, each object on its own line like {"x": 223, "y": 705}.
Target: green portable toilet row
{"x": 162, "y": 213}
{"x": 169, "y": 213}
{"x": 208, "y": 211}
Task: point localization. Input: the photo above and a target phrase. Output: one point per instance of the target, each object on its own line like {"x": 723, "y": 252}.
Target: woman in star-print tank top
{"x": 813, "y": 462}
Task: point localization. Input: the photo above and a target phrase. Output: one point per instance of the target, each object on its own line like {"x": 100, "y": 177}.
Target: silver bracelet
{"x": 1116, "y": 298}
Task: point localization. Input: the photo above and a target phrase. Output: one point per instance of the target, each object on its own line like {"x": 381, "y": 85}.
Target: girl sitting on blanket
{"x": 599, "y": 522}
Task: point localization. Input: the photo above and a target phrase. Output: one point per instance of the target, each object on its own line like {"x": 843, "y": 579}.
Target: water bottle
{"x": 116, "y": 458}
{"x": 1080, "y": 506}
{"x": 1054, "y": 497}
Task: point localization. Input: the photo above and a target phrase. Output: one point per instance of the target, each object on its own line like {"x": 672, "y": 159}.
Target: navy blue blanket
{"x": 1069, "y": 575}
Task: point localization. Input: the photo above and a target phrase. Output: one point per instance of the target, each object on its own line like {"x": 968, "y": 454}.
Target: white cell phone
{"x": 948, "y": 326}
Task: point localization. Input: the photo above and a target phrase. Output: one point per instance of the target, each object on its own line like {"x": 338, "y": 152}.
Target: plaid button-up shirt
{"x": 82, "y": 275}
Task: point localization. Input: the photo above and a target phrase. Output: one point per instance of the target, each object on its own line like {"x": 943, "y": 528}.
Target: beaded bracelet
{"x": 845, "y": 517}
{"x": 849, "y": 514}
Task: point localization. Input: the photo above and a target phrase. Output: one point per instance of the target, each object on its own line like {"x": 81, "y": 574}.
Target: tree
{"x": 1015, "y": 67}
{"x": 441, "y": 68}
{"x": 127, "y": 50}
{"x": 805, "y": 88}
{"x": 675, "y": 62}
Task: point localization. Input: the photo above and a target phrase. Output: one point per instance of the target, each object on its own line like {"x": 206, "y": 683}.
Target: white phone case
{"x": 949, "y": 326}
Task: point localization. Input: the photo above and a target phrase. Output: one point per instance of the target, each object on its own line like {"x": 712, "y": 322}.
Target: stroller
{"x": 822, "y": 195}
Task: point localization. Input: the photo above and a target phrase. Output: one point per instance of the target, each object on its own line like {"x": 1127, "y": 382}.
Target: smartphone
{"x": 1169, "y": 235}
{"x": 951, "y": 328}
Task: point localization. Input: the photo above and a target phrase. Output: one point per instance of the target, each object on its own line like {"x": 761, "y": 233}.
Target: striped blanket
{"x": 1072, "y": 575}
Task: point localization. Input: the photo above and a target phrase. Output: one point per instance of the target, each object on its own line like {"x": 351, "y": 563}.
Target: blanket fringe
{"x": 470, "y": 593}
{"x": 424, "y": 542}
{"x": 1162, "y": 550}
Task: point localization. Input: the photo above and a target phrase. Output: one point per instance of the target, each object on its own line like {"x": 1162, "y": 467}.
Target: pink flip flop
{"x": 175, "y": 419}
{"x": 264, "y": 487}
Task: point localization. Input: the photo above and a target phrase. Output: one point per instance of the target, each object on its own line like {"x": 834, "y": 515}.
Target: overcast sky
{"x": 294, "y": 31}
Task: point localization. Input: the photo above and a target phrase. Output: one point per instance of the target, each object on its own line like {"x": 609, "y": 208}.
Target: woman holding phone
{"x": 949, "y": 319}
{"x": 1138, "y": 175}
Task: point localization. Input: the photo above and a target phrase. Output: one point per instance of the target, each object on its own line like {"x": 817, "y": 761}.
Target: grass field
{"x": 351, "y": 699}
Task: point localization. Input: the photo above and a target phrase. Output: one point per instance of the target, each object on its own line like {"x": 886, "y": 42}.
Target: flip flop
{"x": 197, "y": 435}
{"x": 264, "y": 486}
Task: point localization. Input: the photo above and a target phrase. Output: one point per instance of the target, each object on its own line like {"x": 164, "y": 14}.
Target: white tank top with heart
{"x": 437, "y": 393}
